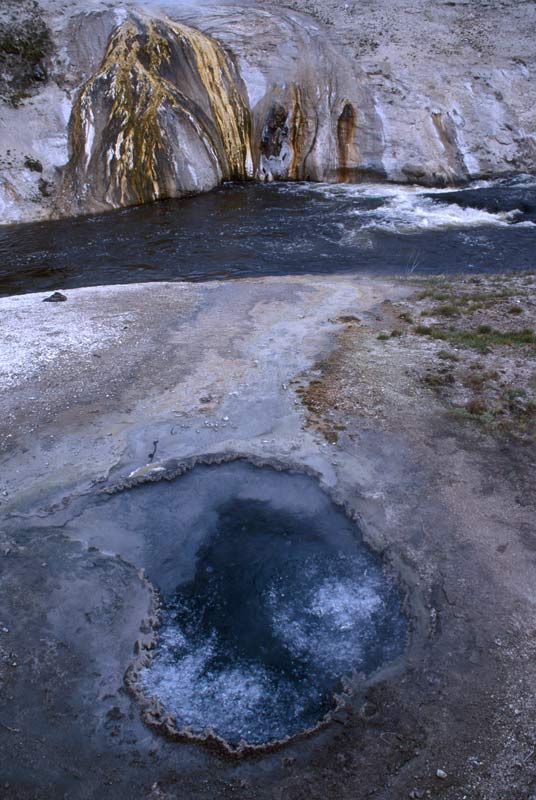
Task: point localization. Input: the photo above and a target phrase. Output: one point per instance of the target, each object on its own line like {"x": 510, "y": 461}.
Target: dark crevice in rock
{"x": 25, "y": 47}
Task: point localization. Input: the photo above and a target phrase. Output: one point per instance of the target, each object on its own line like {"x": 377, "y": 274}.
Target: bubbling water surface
{"x": 280, "y": 599}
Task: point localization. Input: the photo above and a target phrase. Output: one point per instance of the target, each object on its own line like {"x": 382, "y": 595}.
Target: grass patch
{"x": 476, "y": 407}
{"x": 476, "y": 411}
{"x": 423, "y": 330}
{"x": 438, "y": 379}
{"x": 447, "y": 356}
{"x": 482, "y": 338}
{"x": 474, "y": 381}
{"x": 477, "y": 380}
{"x": 433, "y": 294}
{"x": 447, "y": 311}
{"x": 512, "y": 394}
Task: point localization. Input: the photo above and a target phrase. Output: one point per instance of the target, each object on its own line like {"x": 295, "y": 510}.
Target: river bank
{"x": 325, "y": 375}
{"x": 239, "y": 91}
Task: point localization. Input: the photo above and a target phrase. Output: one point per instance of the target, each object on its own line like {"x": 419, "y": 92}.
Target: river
{"x": 250, "y": 230}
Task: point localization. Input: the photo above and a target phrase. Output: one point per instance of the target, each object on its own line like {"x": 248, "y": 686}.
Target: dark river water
{"x": 281, "y": 229}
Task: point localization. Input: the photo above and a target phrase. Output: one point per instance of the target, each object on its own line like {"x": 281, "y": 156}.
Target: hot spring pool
{"x": 270, "y": 597}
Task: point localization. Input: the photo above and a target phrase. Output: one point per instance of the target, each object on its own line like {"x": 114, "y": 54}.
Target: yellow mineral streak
{"x": 136, "y": 166}
{"x": 228, "y": 107}
{"x": 296, "y": 131}
{"x": 133, "y": 64}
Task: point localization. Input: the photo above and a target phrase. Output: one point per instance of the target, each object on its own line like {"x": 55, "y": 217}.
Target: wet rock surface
{"x": 164, "y": 116}
{"x": 150, "y": 100}
{"x": 449, "y": 506}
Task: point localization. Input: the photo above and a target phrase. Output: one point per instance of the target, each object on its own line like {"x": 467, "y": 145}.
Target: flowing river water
{"x": 250, "y": 230}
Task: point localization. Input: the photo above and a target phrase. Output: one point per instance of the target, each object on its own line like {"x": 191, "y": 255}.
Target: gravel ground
{"x": 296, "y": 372}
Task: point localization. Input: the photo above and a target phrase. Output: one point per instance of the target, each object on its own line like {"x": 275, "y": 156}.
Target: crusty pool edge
{"x": 353, "y": 688}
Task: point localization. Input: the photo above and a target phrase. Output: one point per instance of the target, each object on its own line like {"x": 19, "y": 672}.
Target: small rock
{"x": 369, "y": 709}
{"x": 441, "y": 774}
{"x": 115, "y": 713}
{"x": 33, "y": 164}
{"x": 39, "y": 73}
{"x": 44, "y": 187}
{"x": 56, "y": 297}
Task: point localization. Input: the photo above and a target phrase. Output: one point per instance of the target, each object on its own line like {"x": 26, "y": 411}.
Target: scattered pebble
{"x": 55, "y": 297}
{"x": 441, "y": 774}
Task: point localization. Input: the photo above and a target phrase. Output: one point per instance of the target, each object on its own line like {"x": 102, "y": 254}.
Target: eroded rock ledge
{"x": 142, "y": 101}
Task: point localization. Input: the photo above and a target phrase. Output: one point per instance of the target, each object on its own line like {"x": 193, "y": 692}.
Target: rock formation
{"x": 141, "y": 101}
{"x": 164, "y": 115}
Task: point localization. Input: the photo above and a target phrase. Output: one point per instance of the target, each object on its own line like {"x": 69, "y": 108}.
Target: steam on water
{"x": 279, "y": 599}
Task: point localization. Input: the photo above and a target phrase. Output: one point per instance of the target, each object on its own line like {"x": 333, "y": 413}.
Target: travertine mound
{"x": 164, "y": 115}
{"x": 133, "y": 102}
